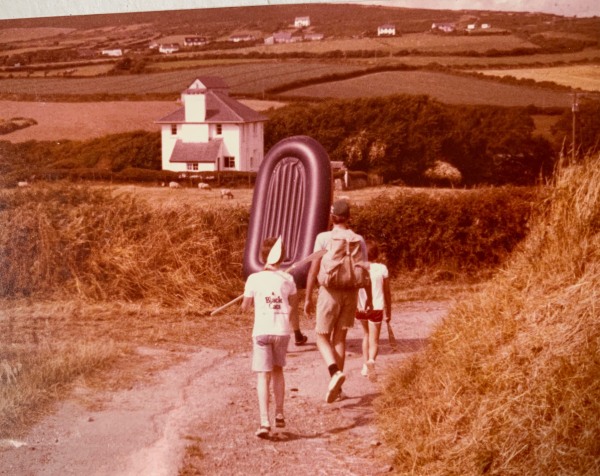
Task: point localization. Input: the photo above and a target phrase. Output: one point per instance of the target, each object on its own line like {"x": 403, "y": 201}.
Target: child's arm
{"x": 294, "y": 318}
{"x": 387, "y": 299}
{"x": 247, "y": 304}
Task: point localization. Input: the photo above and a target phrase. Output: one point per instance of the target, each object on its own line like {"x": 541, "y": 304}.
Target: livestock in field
{"x": 203, "y": 186}
{"x": 174, "y": 185}
{"x": 226, "y": 193}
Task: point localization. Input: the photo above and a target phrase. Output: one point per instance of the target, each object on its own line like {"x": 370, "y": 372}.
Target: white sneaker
{"x": 334, "y": 386}
{"x": 365, "y": 371}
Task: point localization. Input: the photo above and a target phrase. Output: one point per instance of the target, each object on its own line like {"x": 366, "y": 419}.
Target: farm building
{"x": 282, "y": 37}
{"x": 302, "y": 22}
{"x": 113, "y": 52}
{"x": 313, "y": 37}
{"x": 212, "y": 131}
{"x": 386, "y": 30}
{"x": 195, "y": 41}
{"x": 168, "y": 48}
{"x": 241, "y": 38}
{"x": 445, "y": 27}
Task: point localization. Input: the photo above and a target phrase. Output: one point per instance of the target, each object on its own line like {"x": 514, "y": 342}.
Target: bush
{"x": 465, "y": 230}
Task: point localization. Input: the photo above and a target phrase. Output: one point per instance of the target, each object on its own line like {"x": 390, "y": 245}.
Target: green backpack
{"x": 342, "y": 266}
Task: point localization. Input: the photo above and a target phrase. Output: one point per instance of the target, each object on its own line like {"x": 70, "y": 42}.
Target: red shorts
{"x": 372, "y": 315}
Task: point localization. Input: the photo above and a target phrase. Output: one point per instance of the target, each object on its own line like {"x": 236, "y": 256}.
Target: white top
{"x": 270, "y": 291}
{"x": 378, "y": 272}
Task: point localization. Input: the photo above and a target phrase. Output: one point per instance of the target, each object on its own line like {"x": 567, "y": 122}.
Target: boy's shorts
{"x": 335, "y": 309}
{"x": 375, "y": 316}
{"x": 268, "y": 351}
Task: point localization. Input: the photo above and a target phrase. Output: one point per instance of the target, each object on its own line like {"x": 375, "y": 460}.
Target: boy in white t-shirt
{"x": 382, "y": 305}
{"x": 274, "y": 295}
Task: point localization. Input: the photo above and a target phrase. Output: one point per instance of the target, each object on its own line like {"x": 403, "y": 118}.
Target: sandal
{"x": 263, "y": 431}
{"x": 280, "y": 421}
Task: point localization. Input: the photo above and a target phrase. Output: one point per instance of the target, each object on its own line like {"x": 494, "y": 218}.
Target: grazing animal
{"x": 203, "y": 186}
{"x": 23, "y": 184}
{"x": 226, "y": 193}
{"x": 173, "y": 185}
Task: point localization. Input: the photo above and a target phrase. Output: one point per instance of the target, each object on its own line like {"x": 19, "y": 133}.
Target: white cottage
{"x": 212, "y": 131}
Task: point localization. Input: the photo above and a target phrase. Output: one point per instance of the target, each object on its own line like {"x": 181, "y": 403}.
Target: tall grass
{"x": 76, "y": 241}
{"x": 510, "y": 383}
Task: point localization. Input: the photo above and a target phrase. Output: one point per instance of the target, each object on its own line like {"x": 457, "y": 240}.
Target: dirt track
{"x": 207, "y": 402}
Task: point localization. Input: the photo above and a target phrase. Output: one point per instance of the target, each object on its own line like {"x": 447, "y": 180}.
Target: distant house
{"x": 471, "y": 26}
{"x": 386, "y": 30}
{"x": 313, "y": 36}
{"x": 212, "y": 131}
{"x": 302, "y": 22}
{"x": 168, "y": 48}
{"x": 282, "y": 37}
{"x": 194, "y": 41}
{"x": 113, "y": 52}
{"x": 444, "y": 27}
{"x": 241, "y": 38}
{"x": 485, "y": 26}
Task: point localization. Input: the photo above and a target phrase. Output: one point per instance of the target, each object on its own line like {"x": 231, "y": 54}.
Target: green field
{"x": 444, "y": 87}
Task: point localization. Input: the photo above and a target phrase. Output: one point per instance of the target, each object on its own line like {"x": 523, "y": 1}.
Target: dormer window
{"x": 173, "y": 129}
{"x": 219, "y": 129}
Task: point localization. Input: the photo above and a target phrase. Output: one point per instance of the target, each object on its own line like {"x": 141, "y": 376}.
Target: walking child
{"x": 382, "y": 308}
{"x": 274, "y": 295}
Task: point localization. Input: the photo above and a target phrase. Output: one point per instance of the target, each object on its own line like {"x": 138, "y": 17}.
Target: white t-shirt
{"x": 270, "y": 291}
{"x": 378, "y": 272}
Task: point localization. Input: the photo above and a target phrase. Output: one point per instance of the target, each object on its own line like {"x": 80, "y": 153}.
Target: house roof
{"x": 206, "y": 152}
{"x": 219, "y": 108}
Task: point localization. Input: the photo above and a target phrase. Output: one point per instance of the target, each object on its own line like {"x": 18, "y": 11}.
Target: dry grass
{"x": 586, "y": 77}
{"x": 510, "y": 383}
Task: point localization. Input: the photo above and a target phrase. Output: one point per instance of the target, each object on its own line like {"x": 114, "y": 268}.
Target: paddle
{"x": 310, "y": 257}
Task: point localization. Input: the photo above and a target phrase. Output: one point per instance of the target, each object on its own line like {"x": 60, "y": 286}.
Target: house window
{"x": 192, "y": 166}
{"x": 219, "y": 129}
{"x": 229, "y": 162}
{"x": 173, "y": 129}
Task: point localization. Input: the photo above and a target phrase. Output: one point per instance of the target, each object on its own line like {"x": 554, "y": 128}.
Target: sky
{"x": 49, "y": 8}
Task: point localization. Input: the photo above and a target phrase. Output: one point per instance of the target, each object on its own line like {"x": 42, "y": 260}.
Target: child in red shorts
{"x": 382, "y": 307}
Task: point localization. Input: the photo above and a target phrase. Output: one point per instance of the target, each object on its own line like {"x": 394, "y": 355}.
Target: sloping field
{"x": 241, "y": 78}
{"x": 87, "y": 120}
{"x": 423, "y": 42}
{"x": 446, "y": 88}
{"x": 586, "y": 77}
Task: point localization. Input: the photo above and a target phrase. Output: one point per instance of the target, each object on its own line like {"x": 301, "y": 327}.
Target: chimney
{"x": 194, "y": 102}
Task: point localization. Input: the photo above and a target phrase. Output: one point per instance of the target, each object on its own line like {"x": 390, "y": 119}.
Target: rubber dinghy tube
{"x": 292, "y": 199}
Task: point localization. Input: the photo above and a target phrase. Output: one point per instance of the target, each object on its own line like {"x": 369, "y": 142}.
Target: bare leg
{"x": 365, "y": 340}
{"x": 326, "y": 349}
{"x": 263, "y": 379}
{"x": 278, "y": 389}
{"x": 374, "y": 332}
{"x": 339, "y": 346}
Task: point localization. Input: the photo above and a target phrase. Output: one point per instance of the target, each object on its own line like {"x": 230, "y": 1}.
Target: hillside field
{"x": 586, "y": 77}
{"x": 444, "y": 87}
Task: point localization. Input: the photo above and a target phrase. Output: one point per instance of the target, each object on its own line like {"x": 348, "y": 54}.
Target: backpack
{"x": 342, "y": 266}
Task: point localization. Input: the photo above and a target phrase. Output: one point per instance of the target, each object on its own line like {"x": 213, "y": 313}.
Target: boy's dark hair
{"x": 265, "y": 249}
{"x": 372, "y": 250}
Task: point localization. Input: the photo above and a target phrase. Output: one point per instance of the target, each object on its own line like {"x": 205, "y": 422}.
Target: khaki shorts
{"x": 336, "y": 309}
{"x": 268, "y": 351}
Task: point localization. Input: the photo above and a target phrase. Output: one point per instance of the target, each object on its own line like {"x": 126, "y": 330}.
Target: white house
{"x": 113, "y": 52}
{"x": 212, "y": 131}
{"x": 445, "y": 27}
{"x": 194, "y": 41}
{"x": 386, "y": 30}
{"x": 302, "y": 22}
{"x": 168, "y": 48}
